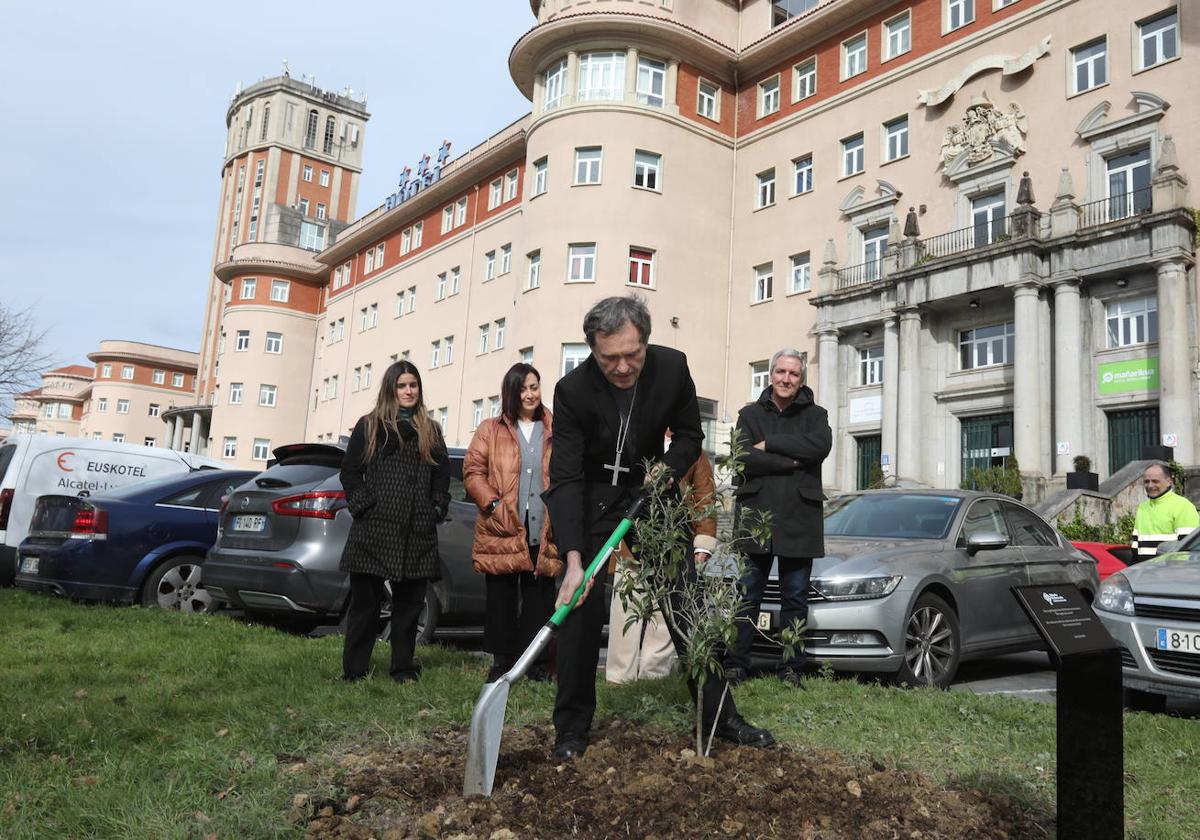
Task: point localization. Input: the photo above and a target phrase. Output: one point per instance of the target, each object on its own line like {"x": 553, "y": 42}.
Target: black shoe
{"x": 407, "y": 676}
{"x": 792, "y": 677}
{"x": 735, "y": 729}
{"x": 735, "y": 675}
{"x": 540, "y": 673}
{"x": 569, "y": 745}
{"x": 351, "y": 678}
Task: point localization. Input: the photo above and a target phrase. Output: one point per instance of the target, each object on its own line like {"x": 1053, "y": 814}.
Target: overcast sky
{"x": 114, "y": 130}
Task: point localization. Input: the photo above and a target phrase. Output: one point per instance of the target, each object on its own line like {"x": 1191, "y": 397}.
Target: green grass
{"x": 121, "y": 722}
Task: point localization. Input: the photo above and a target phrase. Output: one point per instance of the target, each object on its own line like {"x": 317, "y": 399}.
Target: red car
{"x": 1109, "y": 557}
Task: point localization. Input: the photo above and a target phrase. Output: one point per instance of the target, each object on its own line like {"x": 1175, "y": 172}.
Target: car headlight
{"x": 1116, "y": 595}
{"x": 856, "y": 588}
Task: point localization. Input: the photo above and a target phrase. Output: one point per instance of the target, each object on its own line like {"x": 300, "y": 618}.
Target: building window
{"x": 447, "y": 218}
{"x": 581, "y": 263}
{"x": 455, "y": 280}
{"x": 601, "y": 76}
{"x": 587, "y": 165}
{"x": 266, "y": 120}
{"x": 440, "y": 289}
{"x": 494, "y": 406}
{"x": 1132, "y": 322}
{"x": 707, "y": 100}
{"x": 854, "y": 56}
{"x": 229, "y": 450}
{"x": 321, "y": 212}
{"x": 122, "y": 406}
{"x": 330, "y": 128}
{"x": 764, "y": 282}
{"x": 303, "y": 208}
{"x": 274, "y": 342}
{"x": 266, "y": 395}
{"x": 366, "y": 382}
{"x": 324, "y": 177}
{"x": 870, "y": 365}
{"x": 310, "y": 130}
{"x": 159, "y": 377}
{"x": 312, "y": 236}
{"x": 804, "y": 79}
{"x": 1089, "y": 65}
{"x": 646, "y": 167}
{"x": 412, "y": 298}
{"x": 803, "y": 168}
{"x": 651, "y": 82}
{"x": 372, "y": 316}
{"x": 405, "y": 242}
{"x": 495, "y": 190}
{"x": 987, "y": 218}
{"x": 641, "y": 267}
{"x": 448, "y": 350}
{"x": 986, "y": 346}
{"x": 489, "y": 266}
{"x": 460, "y": 212}
{"x": 356, "y": 380}
{"x": 127, "y": 371}
{"x": 280, "y": 290}
{"x": 1158, "y": 38}
{"x": 443, "y": 418}
{"x": 1128, "y": 184}
{"x": 262, "y": 449}
{"x": 379, "y": 252}
{"x": 241, "y": 341}
{"x": 64, "y": 411}
{"x": 307, "y": 173}
{"x": 118, "y": 437}
{"x": 101, "y": 404}
{"x": 485, "y": 332}
{"x": 539, "y": 176}
{"x": 765, "y": 194}
{"x": 897, "y": 34}
{"x": 249, "y": 286}
{"x": 501, "y": 329}
{"x": 555, "y": 82}
{"x": 106, "y": 371}
{"x": 510, "y": 185}
{"x": 895, "y": 137}
{"x": 177, "y": 380}
{"x": 573, "y": 355}
{"x": 235, "y": 393}
{"x": 801, "y": 279}
{"x": 506, "y": 258}
{"x": 874, "y": 247}
{"x": 435, "y": 353}
{"x": 476, "y": 414}
{"x": 959, "y": 13}
{"x": 417, "y": 230}
{"x": 760, "y": 378}
{"x": 768, "y": 96}
{"x": 148, "y": 441}
{"x": 154, "y": 410}
{"x": 853, "y": 159}
{"x": 534, "y": 278}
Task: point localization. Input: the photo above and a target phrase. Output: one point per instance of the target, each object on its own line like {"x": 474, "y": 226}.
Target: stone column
{"x": 907, "y": 460}
{"x": 197, "y": 424}
{"x": 891, "y": 373}
{"x": 539, "y": 93}
{"x": 177, "y": 433}
{"x": 1027, "y": 373}
{"x": 1176, "y": 393}
{"x": 1068, "y": 397}
{"x": 571, "y": 94}
{"x": 829, "y": 395}
{"x": 631, "y": 65}
{"x": 671, "y": 93}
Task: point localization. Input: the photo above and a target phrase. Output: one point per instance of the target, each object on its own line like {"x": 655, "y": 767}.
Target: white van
{"x": 35, "y": 465}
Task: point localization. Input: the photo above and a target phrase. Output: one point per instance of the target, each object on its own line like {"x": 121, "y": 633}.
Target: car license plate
{"x": 29, "y": 565}
{"x": 1184, "y": 641}
{"x": 764, "y": 621}
{"x": 249, "y": 522}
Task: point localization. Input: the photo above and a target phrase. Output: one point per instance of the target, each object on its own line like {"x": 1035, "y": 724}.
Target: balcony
{"x": 1116, "y": 208}
{"x": 979, "y": 235}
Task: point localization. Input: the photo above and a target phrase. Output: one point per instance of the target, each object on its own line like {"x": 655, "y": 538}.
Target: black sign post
{"x": 1091, "y": 803}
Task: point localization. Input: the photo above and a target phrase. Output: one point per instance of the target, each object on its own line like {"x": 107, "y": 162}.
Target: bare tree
{"x": 23, "y": 358}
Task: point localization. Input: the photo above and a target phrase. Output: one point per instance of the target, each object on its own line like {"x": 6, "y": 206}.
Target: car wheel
{"x": 1145, "y": 701}
{"x": 932, "y": 644}
{"x": 428, "y": 621}
{"x": 175, "y": 585}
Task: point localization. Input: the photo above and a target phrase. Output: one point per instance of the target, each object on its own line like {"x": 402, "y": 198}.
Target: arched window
{"x": 310, "y": 130}
{"x": 266, "y": 120}
{"x": 329, "y": 128}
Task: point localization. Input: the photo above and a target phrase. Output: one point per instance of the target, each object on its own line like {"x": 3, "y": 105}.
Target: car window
{"x": 185, "y": 498}
{"x": 458, "y": 492}
{"x": 216, "y": 492}
{"x": 1026, "y": 528}
{"x": 890, "y": 516}
{"x": 984, "y": 516}
{"x": 6, "y": 456}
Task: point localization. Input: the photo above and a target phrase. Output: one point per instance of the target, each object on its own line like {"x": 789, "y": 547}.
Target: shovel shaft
{"x": 599, "y": 560}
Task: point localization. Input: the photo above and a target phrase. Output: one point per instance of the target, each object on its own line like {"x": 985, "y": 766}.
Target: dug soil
{"x": 637, "y": 782}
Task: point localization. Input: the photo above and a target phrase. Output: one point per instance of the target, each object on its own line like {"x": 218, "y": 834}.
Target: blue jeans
{"x": 794, "y": 573}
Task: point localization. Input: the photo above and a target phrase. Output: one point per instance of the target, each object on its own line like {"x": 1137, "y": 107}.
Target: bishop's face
{"x": 621, "y": 355}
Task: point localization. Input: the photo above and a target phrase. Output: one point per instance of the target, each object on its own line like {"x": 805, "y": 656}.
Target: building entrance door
{"x": 869, "y": 449}
{"x": 1128, "y": 433}
{"x": 986, "y": 442}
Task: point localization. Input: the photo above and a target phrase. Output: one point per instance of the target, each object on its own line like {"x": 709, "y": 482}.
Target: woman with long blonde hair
{"x": 396, "y": 474}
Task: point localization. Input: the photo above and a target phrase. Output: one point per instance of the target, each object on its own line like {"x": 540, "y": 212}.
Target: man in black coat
{"x": 610, "y": 413}
{"x": 787, "y": 436}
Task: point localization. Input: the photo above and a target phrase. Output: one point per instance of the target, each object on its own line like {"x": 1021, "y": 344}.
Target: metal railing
{"x": 856, "y": 275}
{"x": 967, "y": 239}
{"x": 1115, "y": 208}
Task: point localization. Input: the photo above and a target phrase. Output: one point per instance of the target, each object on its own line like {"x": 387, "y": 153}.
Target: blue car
{"x": 144, "y": 543}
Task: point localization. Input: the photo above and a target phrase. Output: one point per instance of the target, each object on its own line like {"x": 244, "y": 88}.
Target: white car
{"x": 1153, "y": 611}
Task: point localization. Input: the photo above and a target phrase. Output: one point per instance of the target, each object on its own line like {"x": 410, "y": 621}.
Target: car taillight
{"x": 90, "y": 521}
{"x": 6, "y": 497}
{"x": 319, "y": 504}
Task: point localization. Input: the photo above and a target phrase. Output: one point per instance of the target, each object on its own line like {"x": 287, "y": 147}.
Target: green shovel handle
{"x": 600, "y": 559}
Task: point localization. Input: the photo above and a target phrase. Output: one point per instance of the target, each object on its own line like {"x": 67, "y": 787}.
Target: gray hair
{"x": 1163, "y": 468}
{"x": 612, "y": 313}
{"x": 793, "y": 353}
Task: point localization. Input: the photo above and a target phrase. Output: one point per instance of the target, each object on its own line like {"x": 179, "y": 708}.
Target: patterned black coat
{"x": 397, "y": 501}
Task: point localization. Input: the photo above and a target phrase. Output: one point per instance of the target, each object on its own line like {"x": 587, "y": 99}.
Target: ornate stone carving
{"x": 983, "y": 131}
{"x": 1007, "y": 65}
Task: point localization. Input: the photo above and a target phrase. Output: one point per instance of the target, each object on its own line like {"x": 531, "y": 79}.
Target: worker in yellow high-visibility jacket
{"x": 1165, "y": 515}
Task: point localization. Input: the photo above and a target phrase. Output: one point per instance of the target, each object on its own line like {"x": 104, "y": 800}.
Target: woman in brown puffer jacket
{"x": 507, "y": 467}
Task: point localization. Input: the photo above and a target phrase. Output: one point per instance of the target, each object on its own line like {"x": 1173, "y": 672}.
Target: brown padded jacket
{"x": 492, "y": 470}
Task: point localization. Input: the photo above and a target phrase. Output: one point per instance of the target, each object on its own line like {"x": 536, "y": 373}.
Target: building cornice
{"x": 128, "y": 356}
{"x": 226, "y": 271}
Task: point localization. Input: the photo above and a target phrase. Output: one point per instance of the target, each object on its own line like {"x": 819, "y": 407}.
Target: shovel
{"x": 487, "y": 721}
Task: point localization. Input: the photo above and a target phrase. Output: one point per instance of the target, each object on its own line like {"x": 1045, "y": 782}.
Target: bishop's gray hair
{"x": 795, "y": 354}
{"x": 612, "y": 313}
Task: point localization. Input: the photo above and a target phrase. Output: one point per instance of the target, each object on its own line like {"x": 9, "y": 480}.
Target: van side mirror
{"x": 985, "y": 541}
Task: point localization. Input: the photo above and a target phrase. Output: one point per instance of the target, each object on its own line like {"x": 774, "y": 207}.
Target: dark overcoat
{"x": 397, "y": 501}
{"x": 581, "y": 499}
{"x": 785, "y": 479}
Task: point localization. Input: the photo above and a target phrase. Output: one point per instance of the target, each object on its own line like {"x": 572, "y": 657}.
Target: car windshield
{"x": 891, "y": 516}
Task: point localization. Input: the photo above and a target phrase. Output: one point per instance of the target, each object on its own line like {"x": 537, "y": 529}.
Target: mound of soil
{"x": 637, "y": 782}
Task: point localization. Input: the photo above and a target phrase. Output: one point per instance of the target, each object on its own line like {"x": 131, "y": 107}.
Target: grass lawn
{"x": 127, "y": 722}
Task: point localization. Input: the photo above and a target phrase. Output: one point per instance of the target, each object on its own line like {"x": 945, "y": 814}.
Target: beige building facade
{"x": 846, "y": 177}
{"x": 56, "y": 407}
{"x": 135, "y": 387}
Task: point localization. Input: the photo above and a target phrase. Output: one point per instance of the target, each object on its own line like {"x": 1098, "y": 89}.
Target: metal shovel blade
{"x": 483, "y": 747}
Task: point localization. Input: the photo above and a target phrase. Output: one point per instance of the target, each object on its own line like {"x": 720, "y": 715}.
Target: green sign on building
{"x": 1131, "y": 375}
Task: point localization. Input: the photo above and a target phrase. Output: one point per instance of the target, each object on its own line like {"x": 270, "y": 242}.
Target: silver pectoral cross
{"x": 617, "y": 469}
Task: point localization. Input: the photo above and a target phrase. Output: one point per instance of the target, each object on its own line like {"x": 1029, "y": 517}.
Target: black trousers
{"x": 518, "y": 605}
{"x": 362, "y": 624}
{"x": 579, "y": 656}
{"x": 794, "y": 574}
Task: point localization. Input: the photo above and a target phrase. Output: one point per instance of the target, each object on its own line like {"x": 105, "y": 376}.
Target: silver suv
{"x": 280, "y": 537}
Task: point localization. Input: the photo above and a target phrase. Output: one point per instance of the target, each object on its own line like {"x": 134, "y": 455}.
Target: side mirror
{"x": 985, "y": 541}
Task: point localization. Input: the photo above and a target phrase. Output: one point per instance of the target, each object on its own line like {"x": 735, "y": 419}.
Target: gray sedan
{"x": 915, "y": 582}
